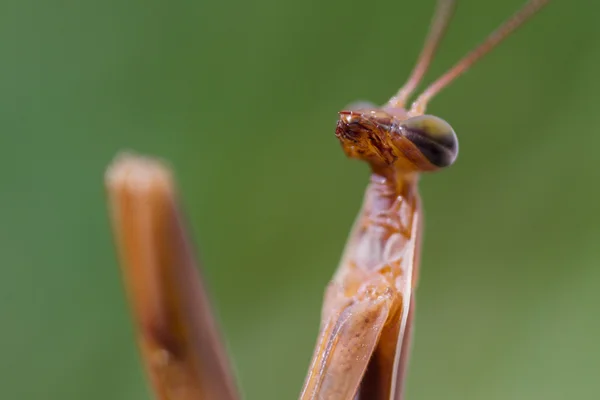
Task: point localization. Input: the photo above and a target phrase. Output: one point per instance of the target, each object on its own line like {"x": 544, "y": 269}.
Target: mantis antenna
{"x": 443, "y": 14}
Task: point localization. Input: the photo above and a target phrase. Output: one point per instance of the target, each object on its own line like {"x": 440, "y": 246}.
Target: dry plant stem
{"x": 177, "y": 333}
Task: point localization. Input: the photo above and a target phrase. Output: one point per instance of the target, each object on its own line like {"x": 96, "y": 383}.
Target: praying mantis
{"x": 363, "y": 347}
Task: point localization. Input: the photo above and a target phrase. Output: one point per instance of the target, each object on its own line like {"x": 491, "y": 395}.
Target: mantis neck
{"x": 384, "y": 225}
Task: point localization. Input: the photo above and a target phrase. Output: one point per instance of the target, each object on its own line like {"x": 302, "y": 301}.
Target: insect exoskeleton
{"x": 391, "y": 137}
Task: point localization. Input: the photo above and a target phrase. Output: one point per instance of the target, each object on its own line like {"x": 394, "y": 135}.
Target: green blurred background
{"x": 241, "y": 97}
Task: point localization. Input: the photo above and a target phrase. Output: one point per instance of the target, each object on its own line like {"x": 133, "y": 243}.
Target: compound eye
{"x": 434, "y": 138}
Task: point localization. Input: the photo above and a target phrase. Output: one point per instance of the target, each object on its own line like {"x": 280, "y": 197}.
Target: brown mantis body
{"x": 364, "y": 341}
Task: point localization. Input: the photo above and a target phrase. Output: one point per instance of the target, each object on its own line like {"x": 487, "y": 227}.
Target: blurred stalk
{"x": 177, "y": 334}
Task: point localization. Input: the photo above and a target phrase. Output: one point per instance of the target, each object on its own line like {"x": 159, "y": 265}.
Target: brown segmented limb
{"x": 347, "y": 340}
{"x": 386, "y": 379}
{"x": 405, "y": 340}
{"x": 366, "y": 307}
{"x": 177, "y": 334}
{"x": 401, "y": 370}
